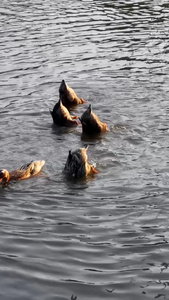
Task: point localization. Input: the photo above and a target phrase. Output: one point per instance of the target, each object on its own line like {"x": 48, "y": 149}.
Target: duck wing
{"x": 26, "y": 166}
{"x": 33, "y": 168}
{"x": 75, "y": 164}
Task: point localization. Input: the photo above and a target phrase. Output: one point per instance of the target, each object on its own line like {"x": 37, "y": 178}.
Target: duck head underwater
{"x": 24, "y": 172}
{"x": 91, "y": 124}
{"x": 77, "y": 165}
{"x": 68, "y": 96}
{"x": 61, "y": 115}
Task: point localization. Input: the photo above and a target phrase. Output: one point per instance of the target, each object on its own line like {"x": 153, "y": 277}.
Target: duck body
{"x": 61, "y": 115}
{"x": 24, "y": 172}
{"x": 91, "y": 124}
{"x": 77, "y": 165}
{"x": 68, "y": 96}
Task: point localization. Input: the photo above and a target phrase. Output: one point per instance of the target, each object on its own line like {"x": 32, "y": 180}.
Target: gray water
{"x": 105, "y": 238}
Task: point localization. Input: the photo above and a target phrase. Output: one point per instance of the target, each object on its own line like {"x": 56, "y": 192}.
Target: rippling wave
{"x": 105, "y": 238}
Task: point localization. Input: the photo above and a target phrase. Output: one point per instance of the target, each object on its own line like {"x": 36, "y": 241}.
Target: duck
{"x": 61, "y": 115}
{"x": 77, "y": 165}
{"x": 68, "y": 96}
{"x": 91, "y": 124}
{"x": 26, "y": 171}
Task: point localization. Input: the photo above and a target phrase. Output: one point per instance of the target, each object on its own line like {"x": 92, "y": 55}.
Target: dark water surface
{"x": 106, "y": 238}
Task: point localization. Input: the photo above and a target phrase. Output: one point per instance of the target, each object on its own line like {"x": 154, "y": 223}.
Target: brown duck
{"x": 77, "y": 166}
{"x": 68, "y": 96}
{"x": 61, "y": 115}
{"x": 91, "y": 124}
{"x": 24, "y": 172}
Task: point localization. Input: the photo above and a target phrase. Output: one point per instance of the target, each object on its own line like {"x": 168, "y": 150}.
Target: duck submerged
{"x": 91, "y": 124}
{"x": 77, "y": 165}
{"x": 68, "y": 96}
{"x": 61, "y": 115}
{"x": 24, "y": 172}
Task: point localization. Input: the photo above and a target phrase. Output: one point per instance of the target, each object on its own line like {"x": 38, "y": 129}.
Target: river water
{"x": 105, "y": 238}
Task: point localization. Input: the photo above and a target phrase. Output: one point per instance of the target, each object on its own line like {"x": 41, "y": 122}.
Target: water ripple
{"x": 100, "y": 238}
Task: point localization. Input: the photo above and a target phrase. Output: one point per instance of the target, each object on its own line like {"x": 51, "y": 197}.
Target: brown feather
{"x": 24, "y": 172}
{"x": 68, "y": 96}
{"x": 61, "y": 115}
{"x": 91, "y": 124}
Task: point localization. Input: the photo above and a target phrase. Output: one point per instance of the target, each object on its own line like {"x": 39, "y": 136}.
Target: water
{"x": 105, "y": 238}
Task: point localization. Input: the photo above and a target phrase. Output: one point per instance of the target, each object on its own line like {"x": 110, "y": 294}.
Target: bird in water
{"x": 24, "y": 172}
{"x": 91, "y": 124}
{"x": 61, "y": 115}
{"x": 68, "y": 96}
{"x": 77, "y": 165}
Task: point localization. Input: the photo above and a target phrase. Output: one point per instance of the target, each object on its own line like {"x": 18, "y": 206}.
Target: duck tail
{"x": 90, "y": 108}
{"x": 62, "y": 87}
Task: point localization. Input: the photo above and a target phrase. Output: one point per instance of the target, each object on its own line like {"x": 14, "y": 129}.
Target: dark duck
{"x": 77, "y": 165}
